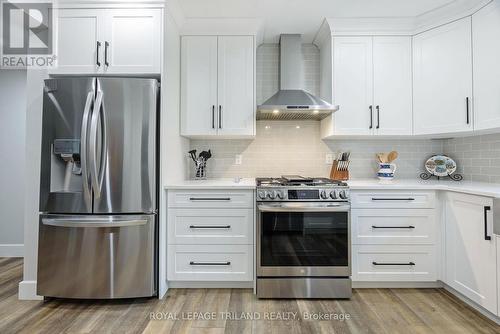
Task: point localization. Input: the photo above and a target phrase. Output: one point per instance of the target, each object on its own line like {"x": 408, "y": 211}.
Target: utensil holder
{"x": 340, "y": 170}
{"x": 200, "y": 169}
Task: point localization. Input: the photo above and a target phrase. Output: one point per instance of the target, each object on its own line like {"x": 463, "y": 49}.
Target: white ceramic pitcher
{"x": 386, "y": 171}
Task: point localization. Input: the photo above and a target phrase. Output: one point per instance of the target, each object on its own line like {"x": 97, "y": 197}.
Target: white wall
{"x": 12, "y": 139}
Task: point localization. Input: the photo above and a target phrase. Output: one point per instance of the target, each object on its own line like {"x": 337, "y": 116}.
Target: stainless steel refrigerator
{"x": 98, "y": 188}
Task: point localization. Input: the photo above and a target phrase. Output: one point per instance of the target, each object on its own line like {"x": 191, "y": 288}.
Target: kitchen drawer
{"x": 210, "y": 226}
{"x": 395, "y": 199}
{"x": 389, "y": 263}
{"x": 211, "y": 198}
{"x": 393, "y": 226}
{"x": 210, "y": 262}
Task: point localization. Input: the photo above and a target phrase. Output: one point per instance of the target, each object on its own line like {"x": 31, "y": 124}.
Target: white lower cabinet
{"x": 210, "y": 263}
{"x": 470, "y": 253}
{"x": 210, "y": 235}
{"x": 390, "y": 263}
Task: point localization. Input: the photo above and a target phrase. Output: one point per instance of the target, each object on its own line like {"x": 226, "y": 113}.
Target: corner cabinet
{"x": 470, "y": 252}
{"x": 372, "y": 86}
{"x": 218, "y": 86}
{"x": 108, "y": 41}
{"x": 442, "y": 79}
{"x": 485, "y": 36}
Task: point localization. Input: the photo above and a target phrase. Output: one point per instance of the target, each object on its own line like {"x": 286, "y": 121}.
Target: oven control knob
{"x": 272, "y": 194}
{"x": 333, "y": 194}
{"x": 342, "y": 194}
{"x": 323, "y": 194}
{"x": 262, "y": 194}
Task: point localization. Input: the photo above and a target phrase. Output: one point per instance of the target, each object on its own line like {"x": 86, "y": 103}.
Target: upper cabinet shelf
{"x": 218, "y": 86}
{"x": 109, "y": 41}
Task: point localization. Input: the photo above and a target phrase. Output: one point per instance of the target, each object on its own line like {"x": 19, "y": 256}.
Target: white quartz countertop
{"x": 467, "y": 187}
{"x": 245, "y": 183}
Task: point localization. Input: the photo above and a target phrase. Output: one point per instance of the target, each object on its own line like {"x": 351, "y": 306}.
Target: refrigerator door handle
{"x": 94, "y": 176}
{"x": 96, "y": 222}
{"x": 83, "y": 150}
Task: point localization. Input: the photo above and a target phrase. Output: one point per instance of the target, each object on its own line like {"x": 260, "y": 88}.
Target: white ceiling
{"x": 305, "y": 16}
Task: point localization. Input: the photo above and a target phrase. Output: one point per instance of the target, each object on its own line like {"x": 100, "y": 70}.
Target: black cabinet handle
{"x": 210, "y": 198}
{"x": 398, "y": 227}
{"x": 220, "y": 117}
{"x": 371, "y": 117}
{"x": 486, "y": 236}
{"x": 211, "y": 226}
{"x": 393, "y": 199}
{"x": 106, "y": 46}
{"x": 213, "y": 117}
{"x": 226, "y": 263}
{"x": 393, "y": 264}
{"x": 378, "y": 116}
{"x": 467, "y": 109}
{"x": 97, "y": 61}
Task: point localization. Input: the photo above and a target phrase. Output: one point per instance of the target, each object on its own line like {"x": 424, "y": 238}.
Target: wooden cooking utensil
{"x": 393, "y": 155}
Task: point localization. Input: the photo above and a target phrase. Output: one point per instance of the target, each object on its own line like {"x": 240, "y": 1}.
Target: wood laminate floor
{"x": 222, "y": 311}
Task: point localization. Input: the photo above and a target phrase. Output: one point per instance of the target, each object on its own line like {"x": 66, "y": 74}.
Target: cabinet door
{"x": 443, "y": 79}
{"x": 236, "y": 102}
{"x": 353, "y": 85}
{"x": 78, "y": 35}
{"x": 132, "y": 41}
{"x": 485, "y": 37}
{"x": 470, "y": 257}
{"x": 392, "y": 87}
{"x": 198, "y": 85}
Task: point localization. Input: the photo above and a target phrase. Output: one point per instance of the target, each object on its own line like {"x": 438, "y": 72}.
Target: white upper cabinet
{"x": 133, "y": 41}
{"x": 392, "y": 87}
{"x": 470, "y": 253}
{"x": 78, "y": 40}
{"x": 372, "y": 86}
{"x": 108, "y": 41}
{"x": 486, "y": 48}
{"x": 442, "y": 70}
{"x": 353, "y": 86}
{"x": 217, "y": 86}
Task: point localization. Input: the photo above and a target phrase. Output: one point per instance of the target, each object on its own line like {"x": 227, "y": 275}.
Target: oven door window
{"x": 305, "y": 239}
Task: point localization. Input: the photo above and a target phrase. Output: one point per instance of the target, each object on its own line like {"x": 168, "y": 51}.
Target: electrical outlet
{"x": 329, "y": 159}
{"x": 238, "y": 158}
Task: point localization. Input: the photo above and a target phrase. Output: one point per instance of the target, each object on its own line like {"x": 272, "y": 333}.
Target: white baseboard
{"x": 27, "y": 291}
{"x": 395, "y": 285}
{"x": 209, "y": 285}
{"x": 11, "y": 250}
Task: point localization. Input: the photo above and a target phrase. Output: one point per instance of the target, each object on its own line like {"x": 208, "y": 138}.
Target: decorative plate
{"x": 440, "y": 165}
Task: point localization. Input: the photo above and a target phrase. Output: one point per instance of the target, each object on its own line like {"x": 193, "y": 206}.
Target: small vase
{"x": 386, "y": 171}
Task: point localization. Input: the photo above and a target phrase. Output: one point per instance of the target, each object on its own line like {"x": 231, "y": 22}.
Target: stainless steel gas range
{"x": 303, "y": 238}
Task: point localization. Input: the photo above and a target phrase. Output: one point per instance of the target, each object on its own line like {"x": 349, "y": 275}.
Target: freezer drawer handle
{"x": 211, "y": 226}
{"x": 393, "y": 264}
{"x": 374, "y": 226}
{"x": 486, "y": 236}
{"x": 210, "y": 198}
{"x": 227, "y": 263}
{"x": 92, "y": 223}
{"x": 393, "y": 199}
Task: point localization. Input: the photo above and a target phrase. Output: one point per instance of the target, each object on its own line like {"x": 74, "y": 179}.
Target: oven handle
{"x": 290, "y": 208}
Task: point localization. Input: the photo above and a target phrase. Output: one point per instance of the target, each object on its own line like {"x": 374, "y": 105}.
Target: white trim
{"x": 209, "y": 285}
{"x": 11, "y": 250}
{"x": 472, "y": 304}
{"x": 27, "y": 291}
{"x": 396, "y": 285}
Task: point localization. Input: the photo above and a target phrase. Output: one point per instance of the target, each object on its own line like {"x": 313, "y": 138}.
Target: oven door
{"x": 303, "y": 239}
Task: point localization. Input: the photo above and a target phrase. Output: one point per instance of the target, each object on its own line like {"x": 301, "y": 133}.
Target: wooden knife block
{"x": 340, "y": 175}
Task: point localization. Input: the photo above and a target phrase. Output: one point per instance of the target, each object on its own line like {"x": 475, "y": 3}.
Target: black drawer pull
{"x": 227, "y": 263}
{"x": 210, "y": 198}
{"x": 393, "y": 264}
{"x": 486, "y": 236}
{"x": 210, "y": 226}
{"x": 393, "y": 199}
{"x": 373, "y": 226}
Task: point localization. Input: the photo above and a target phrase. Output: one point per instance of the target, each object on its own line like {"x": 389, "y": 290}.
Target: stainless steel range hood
{"x": 292, "y": 101}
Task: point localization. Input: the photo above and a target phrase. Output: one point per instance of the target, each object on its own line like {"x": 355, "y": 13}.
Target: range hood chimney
{"x": 292, "y": 101}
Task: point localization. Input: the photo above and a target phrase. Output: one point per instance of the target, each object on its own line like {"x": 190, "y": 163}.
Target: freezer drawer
{"x": 111, "y": 256}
